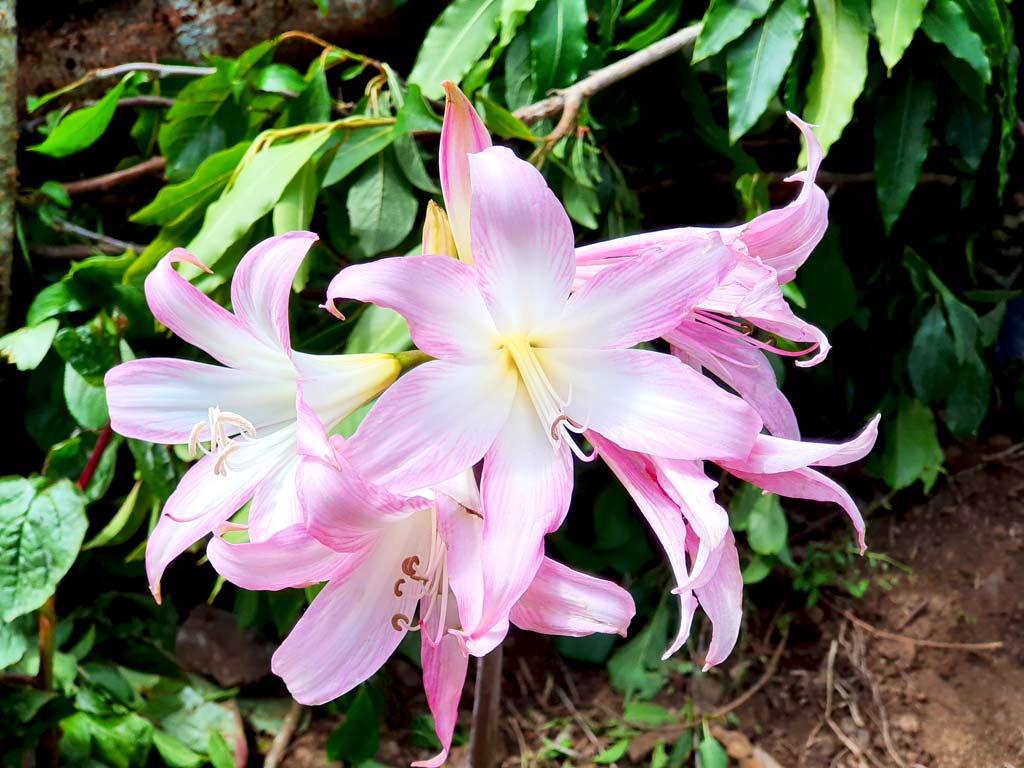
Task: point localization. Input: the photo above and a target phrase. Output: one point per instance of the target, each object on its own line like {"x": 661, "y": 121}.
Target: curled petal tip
{"x": 180, "y": 254}
{"x": 155, "y": 589}
{"x": 329, "y": 306}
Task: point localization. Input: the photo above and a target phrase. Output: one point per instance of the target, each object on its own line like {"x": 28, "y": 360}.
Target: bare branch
{"x": 108, "y": 180}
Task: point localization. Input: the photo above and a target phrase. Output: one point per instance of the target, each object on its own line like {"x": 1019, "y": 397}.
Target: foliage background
{"x": 916, "y": 284}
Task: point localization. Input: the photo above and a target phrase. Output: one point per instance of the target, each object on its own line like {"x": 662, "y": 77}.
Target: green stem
{"x": 412, "y": 358}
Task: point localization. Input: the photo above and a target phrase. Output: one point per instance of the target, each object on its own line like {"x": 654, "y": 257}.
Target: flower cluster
{"x": 432, "y": 516}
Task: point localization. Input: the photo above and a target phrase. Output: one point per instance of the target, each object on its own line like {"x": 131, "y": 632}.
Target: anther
{"x": 398, "y": 587}
{"x": 396, "y": 622}
{"x": 410, "y": 564}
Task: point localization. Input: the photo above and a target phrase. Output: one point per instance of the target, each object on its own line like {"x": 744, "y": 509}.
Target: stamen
{"x": 398, "y": 587}
{"x": 396, "y": 622}
{"x": 220, "y": 466}
{"x": 743, "y": 331}
{"x": 220, "y": 443}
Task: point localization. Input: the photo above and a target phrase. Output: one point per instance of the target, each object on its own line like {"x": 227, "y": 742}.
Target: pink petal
{"x": 462, "y": 133}
{"x": 161, "y": 399}
{"x": 784, "y": 238}
{"x": 561, "y": 601}
{"x": 348, "y": 631}
{"x": 184, "y": 309}
{"x": 808, "y": 484}
{"x": 462, "y": 533}
{"x": 721, "y": 597}
{"x": 433, "y": 423}
{"x": 522, "y": 241}
{"x": 262, "y": 285}
{"x": 275, "y": 503}
{"x": 444, "y": 677}
{"x": 201, "y": 502}
{"x": 620, "y": 249}
{"x": 289, "y": 558}
{"x": 650, "y": 402}
{"x": 768, "y": 309}
{"x": 438, "y": 296}
{"x": 743, "y": 368}
{"x": 643, "y": 298}
{"x": 775, "y": 454}
{"x": 526, "y": 486}
{"x": 336, "y": 385}
{"x": 637, "y": 476}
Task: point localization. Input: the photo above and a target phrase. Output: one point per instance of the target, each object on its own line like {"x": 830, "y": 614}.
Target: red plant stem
{"x": 94, "y": 459}
{"x": 483, "y": 734}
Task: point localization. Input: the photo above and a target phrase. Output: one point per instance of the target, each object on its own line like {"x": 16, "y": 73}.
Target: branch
{"x": 73, "y": 229}
{"x": 108, "y": 180}
{"x": 995, "y": 645}
{"x": 569, "y": 100}
{"x": 8, "y": 150}
{"x": 160, "y": 70}
{"x": 76, "y": 251}
{"x": 280, "y": 744}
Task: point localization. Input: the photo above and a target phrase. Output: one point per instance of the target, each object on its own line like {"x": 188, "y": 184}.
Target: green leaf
{"x": 458, "y": 39}
{"x": 757, "y": 62}
{"x": 985, "y": 19}
{"x": 156, "y": 466}
{"x": 41, "y": 531}
{"x": 912, "y": 450}
{"x": 712, "y": 754}
{"x": 931, "y": 362}
{"x": 636, "y": 669}
{"x": 558, "y": 42}
{"x": 220, "y": 754}
{"x": 613, "y": 753}
{"x": 896, "y": 21}
{"x": 381, "y": 207}
{"x": 902, "y": 141}
{"x": 519, "y": 89}
{"x": 86, "y": 403}
{"x": 968, "y": 402}
{"x": 255, "y": 192}
{"x": 174, "y": 753}
{"x": 581, "y": 202}
{"x": 647, "y": 714}
{"x": 1009, "y": 117}
{"x": 360, "y": 146}
{"x": 81, "y": 128}
{"x": 280, "y": 78}
{"x": 661, "y": 27}
{"x": 503, "y": 123}
{"x": 26, "y": 347}
{"x": 945, "y": 23}
{"x": 378, "y": 329}
{"x": 175, "y": 202}
{"x": 513, "y": 14}
{"x": 90, "y": 349}
{"x": 294, "y": 210}
{"x": 839, "y": 70}
{"x": 767, "y": 529}
{"x": 13, "y": 644}
{"x": 969, "y": 129}
{"x": 724, "y": 21}
{"x": 358, "y": 737}
{"x": 125, "y": 522}
{"x": 757, "y": 570}
{"x": 70, "y": 457}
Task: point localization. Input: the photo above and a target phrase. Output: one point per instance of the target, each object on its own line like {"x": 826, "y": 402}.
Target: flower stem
{"x": 483, "y": 734}
{"x": 411, "y": 359}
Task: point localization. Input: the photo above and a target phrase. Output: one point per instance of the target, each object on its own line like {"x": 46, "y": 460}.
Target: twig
{"x": 284, "y": 736}
{"x": 769, "y": 672}
{"x": 568, "y": 101}
{"x": 73, "y": 229}
{"x": 108, "y": 180}
{"x": 995, "y": 645}
{"x": 78, "y": 251}
{"x": 584, "y": 726}
{"x": 160, "y": 70}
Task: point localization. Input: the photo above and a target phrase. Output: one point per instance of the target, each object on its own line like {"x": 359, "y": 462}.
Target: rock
{"x": 211, "y": 643}
{"x": 736, "y": 744}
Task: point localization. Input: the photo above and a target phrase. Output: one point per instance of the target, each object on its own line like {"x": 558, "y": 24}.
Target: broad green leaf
{"x": 358, "y": 737}
{"x": 255, "y": 192}
{"x": 70, "y": 457}
{"x": 902, "y": 141}
{"x": 54, "y": 299}
{"x": 176, "y": 201}
{"x": 125, "y": 522}
{"x": 662, "y": 25}
{"x": 121, "y": 741}
{"x": 827, "y": 284}
{"x": 839, "y": 70}
{"x": 1009, "y": 117}
{"x": 969, "y": 129}
{"x": 41, "y": 531}
{"x": 26, "y": 347}
{"x": 13, "y": 643}
{"x": 985, "y": 19}
{"x": 360, "y": 146}
{"x": 757, "y": 570}
{"x": 381, "y": 207}
{"x": 280, "y": 78}
{"x": 647, "y": 714}
{"x": 581, "y": 202}
{"x": 767, "y": 529}
{"x": 174, "y": 753}
{"x": 503, "y": 123}
{"x": 712, "y": 754}
{"x": 458, "y": 39}
{"x": 86, "y": 403}
{"x": 156, "y": 466}
{"x": 724, "y": 21}
{"x": 91, "y": 349}
{"x": 80, "y": 129}
{"x": 378, "y": 329}
{"x": 896, "y": 21}
{"x": 613, "y": 753}
{"x": 757, "y": 62}
{"x": 205, "y": 119}
{"x": 636, "y": 669}
{"x": 946, "y": 24}
{"x": 912, "y": 450}
{"x": 558, "y": 42}
{"x": 294, "y": 210}
{"x": 513, "y": 14}
{"x": 931, "y": 362}
{"x": 219, "y": 751}
{"x": 968, "y": 402}
{"x": 519, "y": 89}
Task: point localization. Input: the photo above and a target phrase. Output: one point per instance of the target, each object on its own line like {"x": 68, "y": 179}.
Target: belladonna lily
{"x": 676, "y": 498}
{"x": 395, "y": 564}
{"x": 522, "y": 367}
{"x": 241, "y": 416}
{"x": 770, "y": 249}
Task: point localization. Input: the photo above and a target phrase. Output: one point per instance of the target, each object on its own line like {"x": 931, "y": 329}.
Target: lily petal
{"x": 336, "y": 385}
{"x": 522, "y": 241}
{"x": 721, "y": 597}
{"x": 289, "y": 558}
{"x": 562, "y": 601}
{"x": 462, "y": 133}
{"x": 650, "y": 402}
{"x": 161, "y": 399}
{"x": 438, "y": 296}
{"x": 433, "y": 423}
{"x": 262, "y": 285}
{"x": 775, "y": 454}
{"x": 444, "y": 677}
{"x": 642, "y": 298}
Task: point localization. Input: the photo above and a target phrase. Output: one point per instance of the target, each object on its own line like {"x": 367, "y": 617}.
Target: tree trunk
{"x": 8, "y": 151}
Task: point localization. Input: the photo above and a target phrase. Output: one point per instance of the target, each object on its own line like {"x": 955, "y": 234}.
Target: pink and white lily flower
{"x": 523, "y": 363}
{"x": 677, "y": 499}
{"x": 770, "y": 248}
{"x": 244, "y": 410}
{"x": 396, "y": 564}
